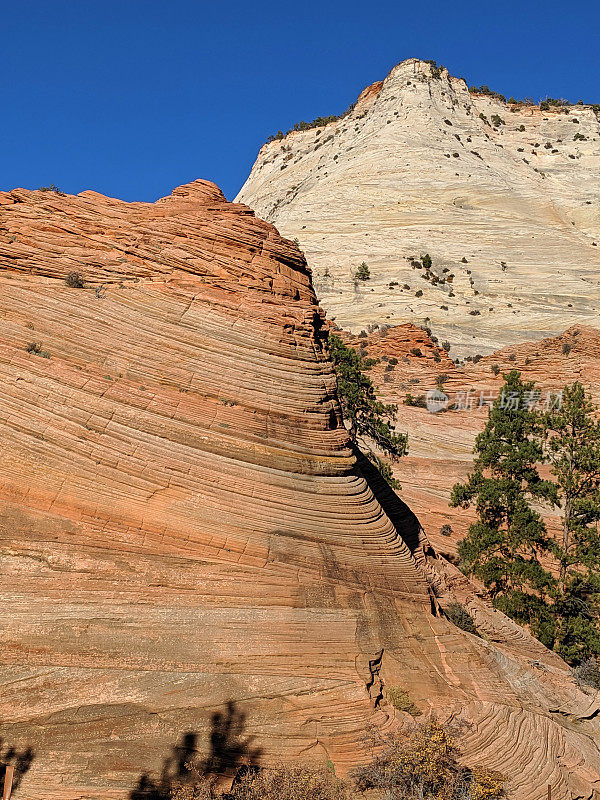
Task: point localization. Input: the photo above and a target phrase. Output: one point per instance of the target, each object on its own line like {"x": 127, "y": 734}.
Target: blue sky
{"x": 132, "y": 98}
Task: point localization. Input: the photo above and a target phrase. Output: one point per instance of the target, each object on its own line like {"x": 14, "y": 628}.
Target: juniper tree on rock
{"x": 503, "y": 547}
{"x": 370, "y": 421}
{"x": 572, "y": 446}
{"x": 363, "y": 273}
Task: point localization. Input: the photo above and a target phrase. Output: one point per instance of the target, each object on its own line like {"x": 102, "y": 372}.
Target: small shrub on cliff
{"x": 363, "y": 273}
{"x": 51, "y": 188}
{"x": 400, "y": 699}
{"x": 485, "y": 89}
{"x": 436, "y": 69}
{"x": 36, "y": 349}
{"x": 461, "y": 618}
{"x": 75, "y": 280}
{"x": 318, "y": 122}
{"x": 418, "y": 402}
{"x": 588, "y": 673}
{"x": 553, "y": 102}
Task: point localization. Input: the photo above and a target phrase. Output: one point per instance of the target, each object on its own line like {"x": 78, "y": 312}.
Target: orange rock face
{"x": 188, "y": 546}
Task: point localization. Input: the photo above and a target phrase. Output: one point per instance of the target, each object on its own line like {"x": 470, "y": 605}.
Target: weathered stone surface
{"x": 183, "y": 524}
{"x": 414, "y": 169}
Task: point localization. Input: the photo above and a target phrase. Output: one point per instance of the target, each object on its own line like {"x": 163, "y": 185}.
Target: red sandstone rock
{"x": 182, "y": 522}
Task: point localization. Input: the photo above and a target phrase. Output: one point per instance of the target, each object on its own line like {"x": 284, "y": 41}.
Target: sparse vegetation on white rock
{"x": 515, "y": 222}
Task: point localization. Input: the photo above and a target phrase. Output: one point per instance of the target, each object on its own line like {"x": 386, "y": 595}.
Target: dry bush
{"x": 486, "y": 784}
{"x": 194, "y": 785}
{"x": 424, "y": 766}
{"x": 421, "y": 765}
{"x": 75, "y": 280}
{"x": 283, "y": 783}
{"x": 588, "y": 673}
{"x": 36, "y": 349}
{"x": 290, "y": 783}
{"x": 202, "y": 789}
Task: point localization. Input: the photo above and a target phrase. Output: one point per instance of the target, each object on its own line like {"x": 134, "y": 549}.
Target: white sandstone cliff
{"x": 511, "y": 211}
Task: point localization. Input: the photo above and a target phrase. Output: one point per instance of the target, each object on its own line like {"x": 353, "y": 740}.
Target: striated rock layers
{"x": 504, "y": 198}
{"x": 187, "y": 544}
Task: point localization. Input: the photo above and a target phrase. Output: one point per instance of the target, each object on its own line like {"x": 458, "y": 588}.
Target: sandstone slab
{"x": 188, "y": 545}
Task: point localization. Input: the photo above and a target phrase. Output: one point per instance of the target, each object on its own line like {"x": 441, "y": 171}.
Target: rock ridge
{"x": 186, "y": 535}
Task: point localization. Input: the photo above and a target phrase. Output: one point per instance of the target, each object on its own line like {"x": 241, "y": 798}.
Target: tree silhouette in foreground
{"x": 230, "y": 750}
{"x": 20, "y": 759}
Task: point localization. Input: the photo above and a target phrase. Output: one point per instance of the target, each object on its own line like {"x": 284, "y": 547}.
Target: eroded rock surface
{"x": 505, "y": 199}
{"x": 187, "y": 544}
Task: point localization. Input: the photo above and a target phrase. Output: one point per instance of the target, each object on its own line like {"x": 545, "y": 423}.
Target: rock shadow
{"x": 403, "y": 519}
{"x": 230, "y": 752}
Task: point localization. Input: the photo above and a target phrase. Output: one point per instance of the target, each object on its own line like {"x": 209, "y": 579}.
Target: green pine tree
{"x": 503, "y": 547}
{"x": 363, "y": 273}
{"x": 371, "y": 422}
{"x": 572, "y": 445}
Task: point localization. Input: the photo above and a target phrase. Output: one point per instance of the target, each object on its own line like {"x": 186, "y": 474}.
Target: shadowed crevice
{"x": 402, "y": 518}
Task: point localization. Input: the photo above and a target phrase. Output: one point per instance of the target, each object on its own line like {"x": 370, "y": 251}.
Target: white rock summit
{"x": 504, "y": 198}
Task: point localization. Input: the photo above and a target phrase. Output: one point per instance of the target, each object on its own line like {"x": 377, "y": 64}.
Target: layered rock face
{"x": 505, "y": 199}
{"x": 188, "y": 545}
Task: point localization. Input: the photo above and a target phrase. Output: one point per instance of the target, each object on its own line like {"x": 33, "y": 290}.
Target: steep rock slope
{"x": 187, "y": 544}
{"x": 420, "y": 166}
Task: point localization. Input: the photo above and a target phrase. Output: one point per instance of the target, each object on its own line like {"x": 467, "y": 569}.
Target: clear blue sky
{"x": 134, "y": 97}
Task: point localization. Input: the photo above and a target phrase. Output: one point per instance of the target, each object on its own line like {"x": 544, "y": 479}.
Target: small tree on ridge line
{"x": 369, "y": 420}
